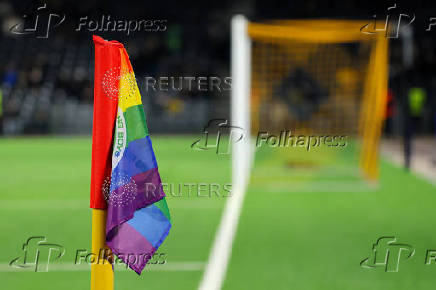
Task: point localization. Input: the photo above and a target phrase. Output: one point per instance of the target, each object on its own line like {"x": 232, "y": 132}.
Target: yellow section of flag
{"x": 129, "y": 95}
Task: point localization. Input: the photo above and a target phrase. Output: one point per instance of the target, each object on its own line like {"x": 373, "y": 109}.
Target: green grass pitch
{"x": 296, "y": 231}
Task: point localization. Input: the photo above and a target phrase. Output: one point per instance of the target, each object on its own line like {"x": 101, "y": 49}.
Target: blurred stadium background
{"x": 310, "y": 230}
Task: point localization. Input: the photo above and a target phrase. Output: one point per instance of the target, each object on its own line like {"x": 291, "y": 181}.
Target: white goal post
{"x": 242, "y": 152}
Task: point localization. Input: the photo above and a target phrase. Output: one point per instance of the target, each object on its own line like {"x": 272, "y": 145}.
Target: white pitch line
{"x": 71, "y": 267}
{"x": 222, "y": 247}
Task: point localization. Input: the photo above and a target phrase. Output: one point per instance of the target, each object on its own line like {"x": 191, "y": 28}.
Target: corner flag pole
{"x": 102, "y": 275}
{"x": 107, "y": 60}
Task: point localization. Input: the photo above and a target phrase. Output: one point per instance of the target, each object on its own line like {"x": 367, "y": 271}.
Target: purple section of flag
{"x": 147, "y": 187}
{"x": 131, "y": 247}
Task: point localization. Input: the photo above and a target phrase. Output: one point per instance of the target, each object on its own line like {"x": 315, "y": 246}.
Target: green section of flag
{"x": 136, "y": 126}
{"x": 162, "y": 205}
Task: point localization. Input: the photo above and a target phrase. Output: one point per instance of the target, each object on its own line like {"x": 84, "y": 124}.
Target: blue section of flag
{"x": 138, "y": 157}
{"x": 151, "y": 223}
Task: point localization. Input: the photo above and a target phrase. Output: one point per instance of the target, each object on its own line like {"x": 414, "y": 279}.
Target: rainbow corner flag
{"x": 125, "y": 178}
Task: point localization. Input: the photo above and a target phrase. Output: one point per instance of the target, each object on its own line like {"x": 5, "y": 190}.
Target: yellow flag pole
{"x": 102, "y": 275}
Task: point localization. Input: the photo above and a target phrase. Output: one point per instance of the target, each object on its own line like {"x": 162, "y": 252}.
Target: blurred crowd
{"x": 38, "y": 73}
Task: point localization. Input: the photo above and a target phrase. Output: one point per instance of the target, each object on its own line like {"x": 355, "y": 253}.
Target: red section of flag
{"x": 107, "y": 64}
